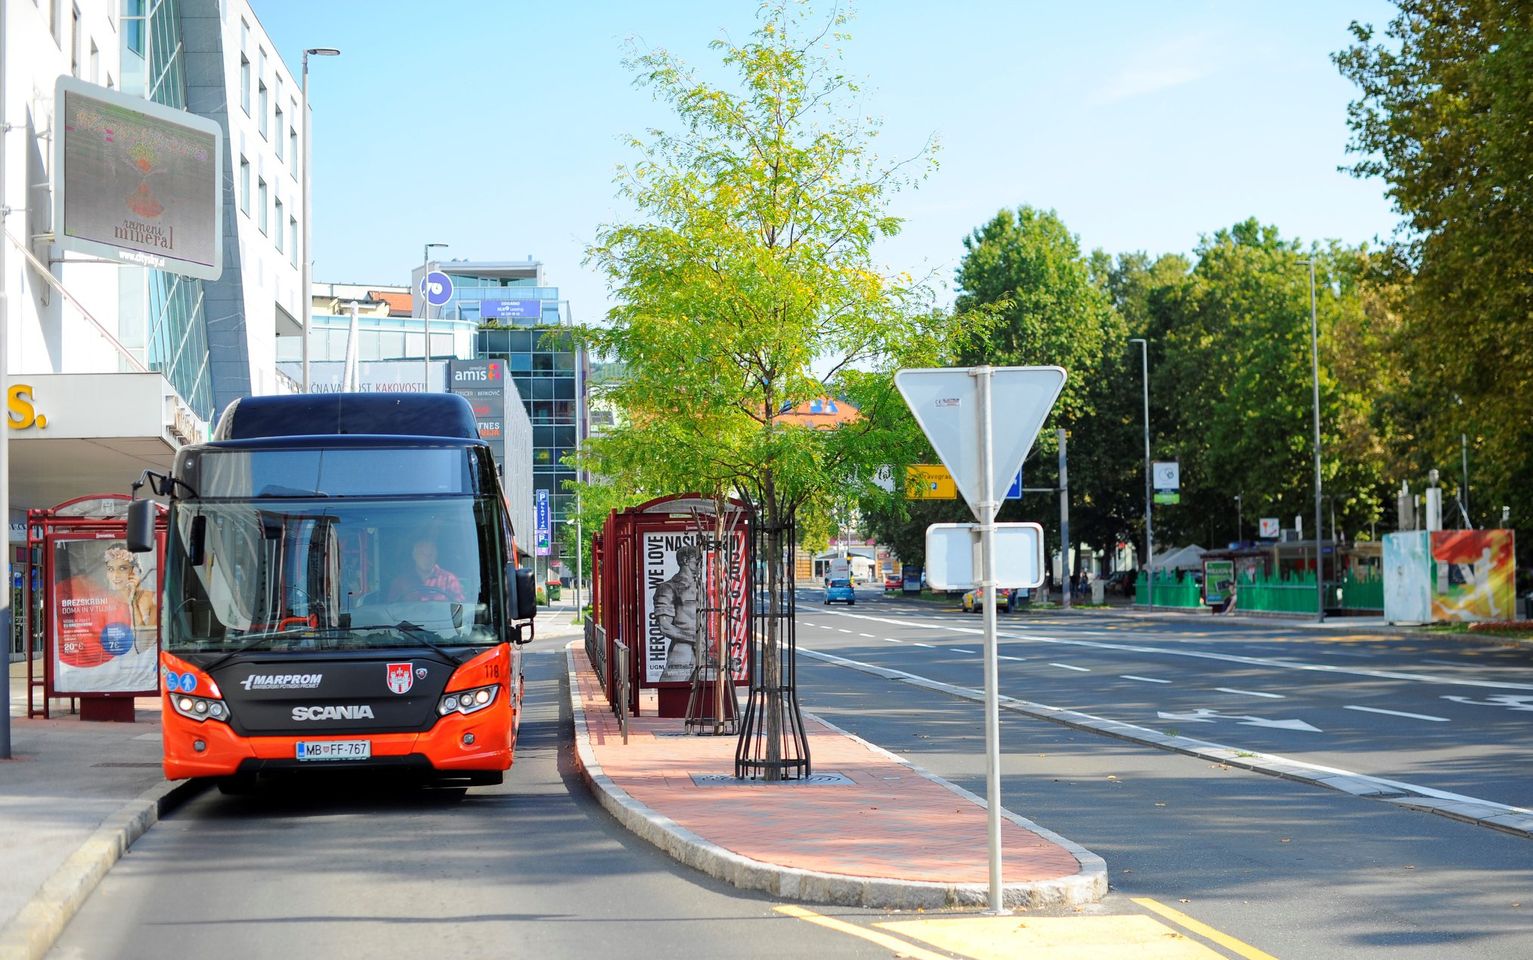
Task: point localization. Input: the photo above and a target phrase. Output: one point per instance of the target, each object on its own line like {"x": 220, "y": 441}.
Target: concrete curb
{"x": 811, "y": 886}
{"x": 1483, "y": 813}
{"x": 32, "y": 932}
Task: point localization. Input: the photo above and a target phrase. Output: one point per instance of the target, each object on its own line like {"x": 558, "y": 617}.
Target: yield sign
{"x": 946, "y": 403}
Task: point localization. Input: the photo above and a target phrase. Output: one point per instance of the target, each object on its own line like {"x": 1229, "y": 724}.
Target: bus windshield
{"x": 333, "y": 574}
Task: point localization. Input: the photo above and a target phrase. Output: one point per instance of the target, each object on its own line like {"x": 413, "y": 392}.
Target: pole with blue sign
{"x": 436, "y": 289}
{"x": 543, "y": 522}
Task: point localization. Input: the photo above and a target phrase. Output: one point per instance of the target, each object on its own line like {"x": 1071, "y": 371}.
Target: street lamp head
{"x": 322, "y": 52}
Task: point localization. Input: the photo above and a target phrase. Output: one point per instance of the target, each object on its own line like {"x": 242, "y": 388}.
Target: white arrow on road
{"x": 1510, "y": 700}
{"x": 1205, "y": 715}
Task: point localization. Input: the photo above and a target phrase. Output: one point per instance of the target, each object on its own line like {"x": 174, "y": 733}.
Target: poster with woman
{"x": 104, "y": 618}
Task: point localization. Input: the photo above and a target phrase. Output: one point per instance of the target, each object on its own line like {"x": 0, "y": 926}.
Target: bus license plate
{"x": 335, "y": 749}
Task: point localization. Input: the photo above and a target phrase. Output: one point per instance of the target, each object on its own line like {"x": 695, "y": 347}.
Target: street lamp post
{"x": 1314, "y": 343}
{"x": 426, "y": 315}
{"x": 1238, "y": 508}
{"x": 308, "y": 258}
{"x": 1149, "y": 536}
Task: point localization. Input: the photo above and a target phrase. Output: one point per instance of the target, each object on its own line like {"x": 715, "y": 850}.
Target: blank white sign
{"x": 953, "y": 560}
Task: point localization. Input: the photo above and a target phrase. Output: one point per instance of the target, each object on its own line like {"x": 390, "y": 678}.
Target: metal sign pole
{"x": 986, "y": 518}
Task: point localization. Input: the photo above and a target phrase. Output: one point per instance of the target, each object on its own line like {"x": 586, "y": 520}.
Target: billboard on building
{"x": 104, "y": 618}
{"x": 483, "y": 384}
{"x": 136, "y": 181}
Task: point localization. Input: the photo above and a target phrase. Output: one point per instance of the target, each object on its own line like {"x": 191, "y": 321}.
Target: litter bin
{"x": 1098, "y": 592}
{"x": 553, "y": 589}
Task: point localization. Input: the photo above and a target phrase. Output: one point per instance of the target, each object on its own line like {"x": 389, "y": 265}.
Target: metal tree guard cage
{"x": 773, "y": 745}
{"x": 712, "y": 706}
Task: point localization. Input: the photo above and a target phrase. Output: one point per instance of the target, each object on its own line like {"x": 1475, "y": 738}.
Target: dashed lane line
{"x": 1398, "y": 713}
{"x": 1206, "y": 655}
{"x": 1066, "y": 666}
{"x": 961, "y": 650}
{"x": 1130, "y": 676}
{"x": 1251, "y": 693}
{"x": 1413, "y": 796}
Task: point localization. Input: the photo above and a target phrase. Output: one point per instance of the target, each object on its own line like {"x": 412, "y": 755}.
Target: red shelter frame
{"x": 99, "y": 517}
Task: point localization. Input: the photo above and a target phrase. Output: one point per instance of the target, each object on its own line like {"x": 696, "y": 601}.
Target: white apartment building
{"x": 110, "y": 366}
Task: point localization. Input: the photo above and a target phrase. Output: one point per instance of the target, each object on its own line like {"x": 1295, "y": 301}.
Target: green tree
{"x": 747, "y": 284}
{"x": 1025, "y": 271}
{"x": 1443, "y": 116}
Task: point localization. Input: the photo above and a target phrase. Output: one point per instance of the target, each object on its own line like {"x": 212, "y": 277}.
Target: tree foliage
{"x": 1443, "y": 116}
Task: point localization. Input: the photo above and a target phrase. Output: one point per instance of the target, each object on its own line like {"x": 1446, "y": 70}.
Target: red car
{"x": 893, "y": 583}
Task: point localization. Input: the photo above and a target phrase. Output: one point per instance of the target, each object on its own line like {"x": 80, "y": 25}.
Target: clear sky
{"x": 495, "y": 126}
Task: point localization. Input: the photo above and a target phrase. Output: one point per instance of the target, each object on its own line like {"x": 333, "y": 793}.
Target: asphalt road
{"x": 532, "y": 868}
{"x": 1293, "y": 869}
{"x": 1435, "y": 713}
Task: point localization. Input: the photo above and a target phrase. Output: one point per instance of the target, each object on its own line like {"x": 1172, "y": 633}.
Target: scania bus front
{"x": 340, "y": 600}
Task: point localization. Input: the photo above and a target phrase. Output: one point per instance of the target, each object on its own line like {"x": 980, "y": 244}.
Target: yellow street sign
{"x": 925, "y": 481}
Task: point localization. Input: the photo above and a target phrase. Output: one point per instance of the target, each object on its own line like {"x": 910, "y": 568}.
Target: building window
{"x": 74, "y": 42}
{"x": 245, "y": 85}
{"x": 292, "y": 239}
{"x": 277, "y": 234}
{"x": 261, "y": 199}
{"x": 277, "y": 140}
{"x": 244, "y": 35}
{"x": 292, "y": 150}
{"x": 261, "y": 102}
{"x": 53, "y": 19}
{"x": 95, "y": 63}
{"x": 244, "y": 186}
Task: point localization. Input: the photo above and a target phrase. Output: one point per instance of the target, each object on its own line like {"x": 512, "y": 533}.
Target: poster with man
{"x": 105, "y": 618}
{"x": 678, "y": 585}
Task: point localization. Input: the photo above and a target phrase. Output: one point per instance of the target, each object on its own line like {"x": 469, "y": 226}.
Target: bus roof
{"x": 438, "y": 415}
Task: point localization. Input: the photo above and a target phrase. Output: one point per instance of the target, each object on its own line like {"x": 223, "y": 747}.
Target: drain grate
{"x": 813, "y": 780}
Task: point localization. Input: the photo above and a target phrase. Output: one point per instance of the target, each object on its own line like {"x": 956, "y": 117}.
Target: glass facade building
{"x": 523, "y": 321}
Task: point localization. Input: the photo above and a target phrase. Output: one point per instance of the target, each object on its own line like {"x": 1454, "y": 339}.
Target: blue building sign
{"x": 543, "y": 523}
{"x": 510, "y": 309}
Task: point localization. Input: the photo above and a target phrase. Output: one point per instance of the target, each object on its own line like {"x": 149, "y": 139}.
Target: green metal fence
{"x": 1171, "y": 590}
{"x": 1290, "y": 593}
{"x": 1364, "y": 592}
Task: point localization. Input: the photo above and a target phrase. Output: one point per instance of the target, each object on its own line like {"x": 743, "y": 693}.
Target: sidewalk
{"x": 72, "y": 799}
{"x": 893, "y": 836}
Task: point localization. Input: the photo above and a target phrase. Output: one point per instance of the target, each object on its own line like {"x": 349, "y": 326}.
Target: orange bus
{"x": 340, "y": 591}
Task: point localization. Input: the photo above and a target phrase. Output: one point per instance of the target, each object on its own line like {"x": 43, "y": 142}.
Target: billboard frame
{"x": 115, "y": 253}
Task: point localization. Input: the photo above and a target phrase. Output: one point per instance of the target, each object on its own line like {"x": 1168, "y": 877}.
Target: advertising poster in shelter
{"x": 104, "y": 618}
{"x": 679, "y": 584}
{"x": 1475, "y": 571}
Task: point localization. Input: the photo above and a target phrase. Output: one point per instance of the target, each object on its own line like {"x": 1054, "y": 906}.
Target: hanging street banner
{"x": 104, "y": 618}
{"x": 137, "y": 182}
{"x": 1167, "y": 475}
{"x": 544, "y": 523}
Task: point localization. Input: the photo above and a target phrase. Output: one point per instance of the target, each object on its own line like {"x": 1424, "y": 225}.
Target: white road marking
{"x": 1066, "y": 666}
{"x": 1501, "y": 700}
{"x": 1205, "y": 715}
{"x": 960, "y": 650}
{"x": 892, "y": 640}
{"x": 920, "y": 644}
{"x": 1398, "y": 713}
{"x": 1130, "y": 676}
{"x": 868, "y": 635}
{"x": 1251, "y": 693}
{"x": 1005, "y": 657}
{"x": 1204, "y": 655}
{"x": 843, "y": 630}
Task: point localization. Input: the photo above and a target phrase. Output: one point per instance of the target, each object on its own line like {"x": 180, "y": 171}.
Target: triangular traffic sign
{"x": 946, "y": 405}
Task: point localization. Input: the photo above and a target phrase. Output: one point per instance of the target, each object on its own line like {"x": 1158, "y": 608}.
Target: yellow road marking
{"x": 1204, "y": 930}
{"x": 1058, "y": 938}
{"x": 901, "y": 948}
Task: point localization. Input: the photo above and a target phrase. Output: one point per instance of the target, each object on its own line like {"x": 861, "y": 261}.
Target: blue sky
{"x": 495, "y": 127}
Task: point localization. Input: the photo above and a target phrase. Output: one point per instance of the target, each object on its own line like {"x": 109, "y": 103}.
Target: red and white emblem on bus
{"x": 401, "y": 677}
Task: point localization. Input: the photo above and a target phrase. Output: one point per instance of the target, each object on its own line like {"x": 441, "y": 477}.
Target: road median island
{"x": 870, "y": 829}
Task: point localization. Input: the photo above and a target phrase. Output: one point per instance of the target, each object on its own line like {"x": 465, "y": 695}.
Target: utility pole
{"x": 1064, "y": 524}
{"x": 1149, "y": 535}
{"x": 1314, "y": 341}
{"x": 6, "y": 613}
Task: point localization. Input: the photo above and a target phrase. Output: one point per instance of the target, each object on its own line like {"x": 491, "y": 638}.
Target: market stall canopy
{"x": 1189, "y": 557}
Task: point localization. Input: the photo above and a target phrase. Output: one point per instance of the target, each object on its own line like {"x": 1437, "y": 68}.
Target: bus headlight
{"x": 467, "y": 701}
{"x": 199, "y": 708}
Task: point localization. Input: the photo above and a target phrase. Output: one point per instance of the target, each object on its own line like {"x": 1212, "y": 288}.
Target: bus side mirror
{"x": 526, "y": 595}
{"x": 140, "y": 535}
